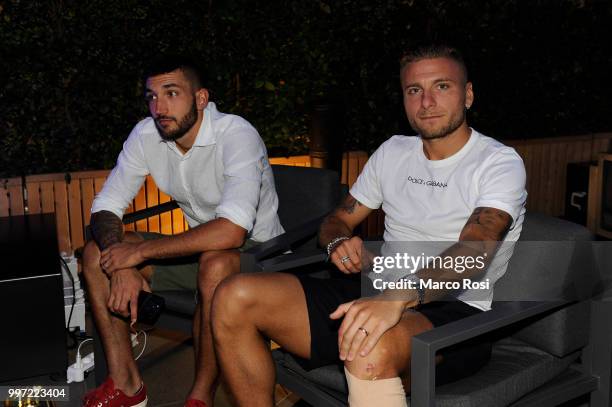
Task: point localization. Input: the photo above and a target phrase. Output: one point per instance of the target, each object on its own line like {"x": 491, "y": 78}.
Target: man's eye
{"x": 412, "y": 91}
{"x": 172, "y": 93}
{"x": 443, "y": 86}
{"x": 150, "y": 98}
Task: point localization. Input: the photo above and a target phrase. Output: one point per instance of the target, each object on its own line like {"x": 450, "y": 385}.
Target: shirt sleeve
{"x": 243, "y": 156}
{"x": 367, "y": 189}
{"x": 502, "y": 183}
{"x": 125, "y": 179}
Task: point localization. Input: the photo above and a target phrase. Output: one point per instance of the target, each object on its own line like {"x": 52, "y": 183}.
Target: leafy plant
{"x": 71, "y": 86}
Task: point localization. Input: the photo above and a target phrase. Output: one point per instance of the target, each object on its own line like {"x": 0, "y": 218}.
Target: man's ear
{"x": 469, "y": 95}
{"x": 201, "y": 98}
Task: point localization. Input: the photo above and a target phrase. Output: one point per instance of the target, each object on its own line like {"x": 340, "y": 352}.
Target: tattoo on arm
{"x": 333, "y": 226}
{"x": 106, "y": 228}
{"x": 493, "y": 224}
{"x": 483, "y": 231}
{"x": 349, "y": 204}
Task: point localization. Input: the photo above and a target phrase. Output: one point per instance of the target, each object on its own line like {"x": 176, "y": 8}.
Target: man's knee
{"x": 233, "y": 300}
{"x": 235, "y": 296}
{"x": 214, "y": 267}
{"x": 375, "y": 378}
{"x": 91, "y": 258}
{"x": 380, "y": 363}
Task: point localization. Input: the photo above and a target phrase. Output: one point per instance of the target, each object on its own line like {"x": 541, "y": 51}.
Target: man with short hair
{"x": 449, "y": 184}
{"x": 216, "y": 167}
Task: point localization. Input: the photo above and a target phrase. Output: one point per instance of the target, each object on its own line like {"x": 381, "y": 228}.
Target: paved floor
{"x": 168, "y": 369}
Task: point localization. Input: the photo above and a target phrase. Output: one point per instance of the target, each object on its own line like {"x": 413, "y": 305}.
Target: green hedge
{"x": 70, "y": 86}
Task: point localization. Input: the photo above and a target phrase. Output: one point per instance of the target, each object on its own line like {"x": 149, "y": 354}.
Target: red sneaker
{"x": 194, "y": 403}
{"x": 106, "y": 395}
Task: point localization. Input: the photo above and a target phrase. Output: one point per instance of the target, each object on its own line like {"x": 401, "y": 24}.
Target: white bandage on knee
{"x": 381, "y": 392}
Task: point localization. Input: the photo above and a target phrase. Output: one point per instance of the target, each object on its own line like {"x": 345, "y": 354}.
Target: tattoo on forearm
{"x": 106, "y": 228}
{"x": 334, "y": 225}
{"x": 331, "y": 228}
{"x": 494, "y": 221}
{"x": 349, "y": 204}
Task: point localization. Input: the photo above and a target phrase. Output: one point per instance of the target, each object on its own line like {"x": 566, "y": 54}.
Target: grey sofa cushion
{"x": 515, "y": 369}
{"x": 560, "y": 333}
{"x": 551, "y": 262}
{"x": 540, "y": 227}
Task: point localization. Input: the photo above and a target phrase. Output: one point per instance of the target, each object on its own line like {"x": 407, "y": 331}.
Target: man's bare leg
{"x": 246, "y": 308}
{"x": 214, "y": 267}
{"x": 195, "y": 330}
{"x": 113, "y": 330}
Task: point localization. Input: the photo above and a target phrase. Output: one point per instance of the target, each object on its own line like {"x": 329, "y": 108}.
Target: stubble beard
{"x": 183, "y": 125}
{"x": 453, "y": 124}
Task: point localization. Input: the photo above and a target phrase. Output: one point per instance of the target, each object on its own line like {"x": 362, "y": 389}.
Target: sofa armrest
{"x": 250, "y": 260}
{"x": 293, "y": 260}
{"x": 148, "y": 212}
{"x": 282, "y": 262}
{"x": 425, "y": 345}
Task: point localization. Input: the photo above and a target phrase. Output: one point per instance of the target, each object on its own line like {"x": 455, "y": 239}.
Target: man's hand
{"x": 347, "y": 255}
{"x": 365, "y": 321}
{"x": 120, "y": 256}
{"x": 125, "y": 285}
{"x": 341, "y": 223}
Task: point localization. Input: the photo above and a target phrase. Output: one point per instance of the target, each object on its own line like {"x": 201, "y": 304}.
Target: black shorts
{"x": 324, "y": 295}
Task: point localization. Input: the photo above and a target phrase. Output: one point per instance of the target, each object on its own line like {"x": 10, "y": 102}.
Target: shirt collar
{"x": 206, "y": 134}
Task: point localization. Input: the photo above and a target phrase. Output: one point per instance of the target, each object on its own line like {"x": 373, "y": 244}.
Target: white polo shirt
{"x": 431, "y": 201}
{"x": 226, "y": 173}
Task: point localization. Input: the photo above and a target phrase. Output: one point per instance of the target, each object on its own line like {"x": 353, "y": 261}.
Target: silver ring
{"x": 365, "y": 331}
{"x": 344, "y": 259}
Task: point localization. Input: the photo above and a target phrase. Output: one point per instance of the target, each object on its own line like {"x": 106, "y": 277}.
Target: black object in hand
{"x": 150, "y": 307}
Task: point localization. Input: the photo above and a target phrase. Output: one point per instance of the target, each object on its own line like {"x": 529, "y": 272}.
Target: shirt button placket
{"x": 183, "y": 171}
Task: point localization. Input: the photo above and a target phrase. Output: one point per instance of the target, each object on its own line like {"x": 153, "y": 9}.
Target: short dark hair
{"x": 170, "y": 63}
{"x": 429, "y": 51}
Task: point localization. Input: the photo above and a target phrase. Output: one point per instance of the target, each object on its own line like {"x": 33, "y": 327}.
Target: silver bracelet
{"x": 334, "y": 242}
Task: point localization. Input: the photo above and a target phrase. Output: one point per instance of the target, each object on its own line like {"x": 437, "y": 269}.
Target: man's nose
{"x": 159, "y": 107}
{"x": 428, "y": 100}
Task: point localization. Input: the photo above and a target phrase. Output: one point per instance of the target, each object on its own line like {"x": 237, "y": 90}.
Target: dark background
{"x": 70, "y": 71}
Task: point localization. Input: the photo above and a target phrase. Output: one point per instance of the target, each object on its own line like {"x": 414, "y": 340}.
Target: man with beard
{"x": 449, "y": 184}
{"x": 216, "y": 167}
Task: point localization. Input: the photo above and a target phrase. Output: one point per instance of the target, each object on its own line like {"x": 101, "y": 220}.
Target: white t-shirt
{"x": 226, "y": 173}
{"x": 431, "y": 200}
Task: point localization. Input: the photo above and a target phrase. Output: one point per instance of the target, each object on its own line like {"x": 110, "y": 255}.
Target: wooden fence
{"x": 70, "y": 195}
{"x": 546, "y": 162}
